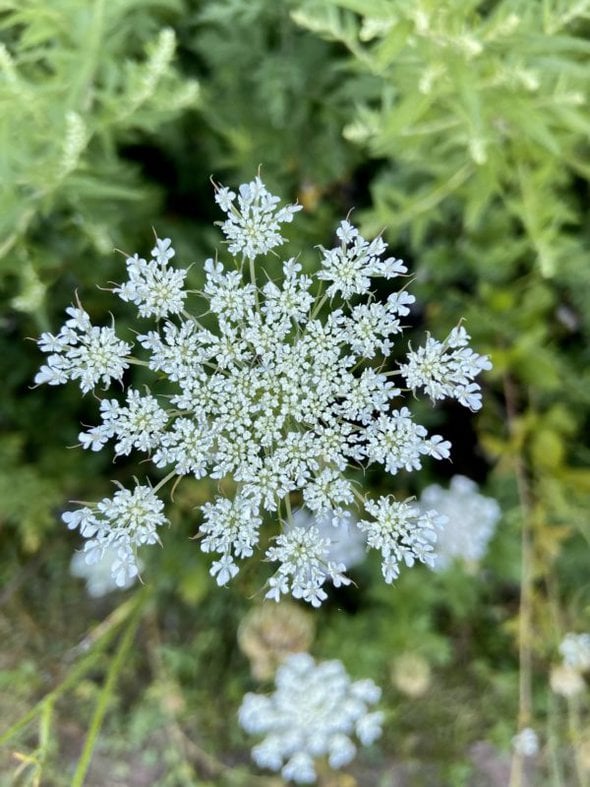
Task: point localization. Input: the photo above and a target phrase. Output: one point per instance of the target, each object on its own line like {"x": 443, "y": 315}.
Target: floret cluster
{"x": 314, "y": 712}
{"x": 281, "y": 384}
{"x": 471, "y": 521}
{"x": 567, "y": 678}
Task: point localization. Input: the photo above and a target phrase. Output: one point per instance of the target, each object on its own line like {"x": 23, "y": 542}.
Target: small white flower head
{"x": 351, "y": 265}
{"x": 253, "y": 224}
{"x": 471, "y": 521}
{"x": 84, "y": 352}
{"x": 402, "y": 533}
{"x": 566, "y": 681}
{"x": 526, "y": 742}
{"x": 139, "y": 425}
{"x": 261, "y": 381}
{"x": 314, "y": 712}
{"x": 119, "y": 525}
{"x": 304, "y": 566}
{"x": 347, "y": 543}
{"x": 99, "y": 576}
{"x": 575, "y": 650}
{"x": 155, "y": 288}
{"x": 447, "y": 369}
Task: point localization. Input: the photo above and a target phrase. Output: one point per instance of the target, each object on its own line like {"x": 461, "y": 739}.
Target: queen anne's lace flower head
{"x": 254, "y": 222}
{"x": 314, "y": 712}
{"x": 575, "y": 650}
{"x": 277, "y": 389}
{"x": 471, "y": 520}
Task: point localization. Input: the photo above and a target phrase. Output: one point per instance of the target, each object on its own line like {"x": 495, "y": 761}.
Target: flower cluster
{"x": 575, "y": 650}
{"x": 84, "y": 352}
{"x": 99, "y": 576}
{"x": 471, "y": 521}
{"x": 119, "y": 525}
{"x": 313, "y": 713}
{"x": 348, "y": 543}
{"x": 447, "y": 369}
{"x": 277, "y": 388}
{"x": 526, "y": 742}
{"x": 567, "y": 678}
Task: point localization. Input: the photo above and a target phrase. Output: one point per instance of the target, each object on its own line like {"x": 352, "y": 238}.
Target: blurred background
{"x": 459, "y": 129}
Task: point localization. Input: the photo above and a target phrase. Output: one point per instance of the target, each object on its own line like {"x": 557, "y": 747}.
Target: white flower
{"x": 566, "y": 680}
{"x": 575, "y": 650}
{"x": 187, "y": 446}
{"x": 526, "y": 742}
{"x": 396, "y": 442}
{"x": 84, "y": 352}
{"x": 351, "y": 265}
{"x": 231, "y": 526}
{"x": 262, "y": 385}
{"x": 471, "y": 520}
{"x": 402, "y": 533}
{"x": 99, "y": 576}
{"x": 347, "y": 544}
{"x": 314, "y": 712}
{"x": 139, "y": 425}
{"x": 305, "y": 565}
{"x": 152, "y": 286}
{"x": 447, "y": 369}
{"x": 119, "y": 525}
{"x": 252, "y": 227}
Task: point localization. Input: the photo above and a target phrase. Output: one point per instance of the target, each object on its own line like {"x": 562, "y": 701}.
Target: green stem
{"x": 318, "y": 306}
{"x": 105, "y": 695}
{"x": 253, "y": 280}
{"x": 526, "y": 589}
{"x": 98, "y": 643}
{"x": 575, "y": 726}
{"x": 82, "y": 86}
{"x": 164, "y": 481}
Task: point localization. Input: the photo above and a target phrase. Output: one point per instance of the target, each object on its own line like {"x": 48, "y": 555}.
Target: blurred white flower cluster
{"x": 526, "y": 742}
{"x": 567, "y": 678}
{"x": 99, "y": 576}
{"x": 471, "y": 521}
{"x": 272, "y": 393}
{"x": 314, "y": 712}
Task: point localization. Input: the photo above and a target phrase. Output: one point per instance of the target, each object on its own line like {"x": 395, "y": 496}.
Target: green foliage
{"x": 273, "y": 96}
{"x": 27, "y": 497}
{"x": 474, "y": 104}
{"x": 78, "y": 81}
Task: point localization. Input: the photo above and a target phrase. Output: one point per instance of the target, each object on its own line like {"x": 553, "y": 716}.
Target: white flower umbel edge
{"x": 280, "y": 391}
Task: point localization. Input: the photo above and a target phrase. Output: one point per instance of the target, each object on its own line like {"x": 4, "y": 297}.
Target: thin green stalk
{"x": 98, "y": 645}
{"x": 253, "y": 280}
{"x": 575, "y": 726}
{"x": 81, "y": 90}
{"x": 557, "y": 777}
{"x": 44, "y": 738}
{"x": 105, "y": 695}
{"x": 526, "y": 591}
{"x": 429, "y": 201}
